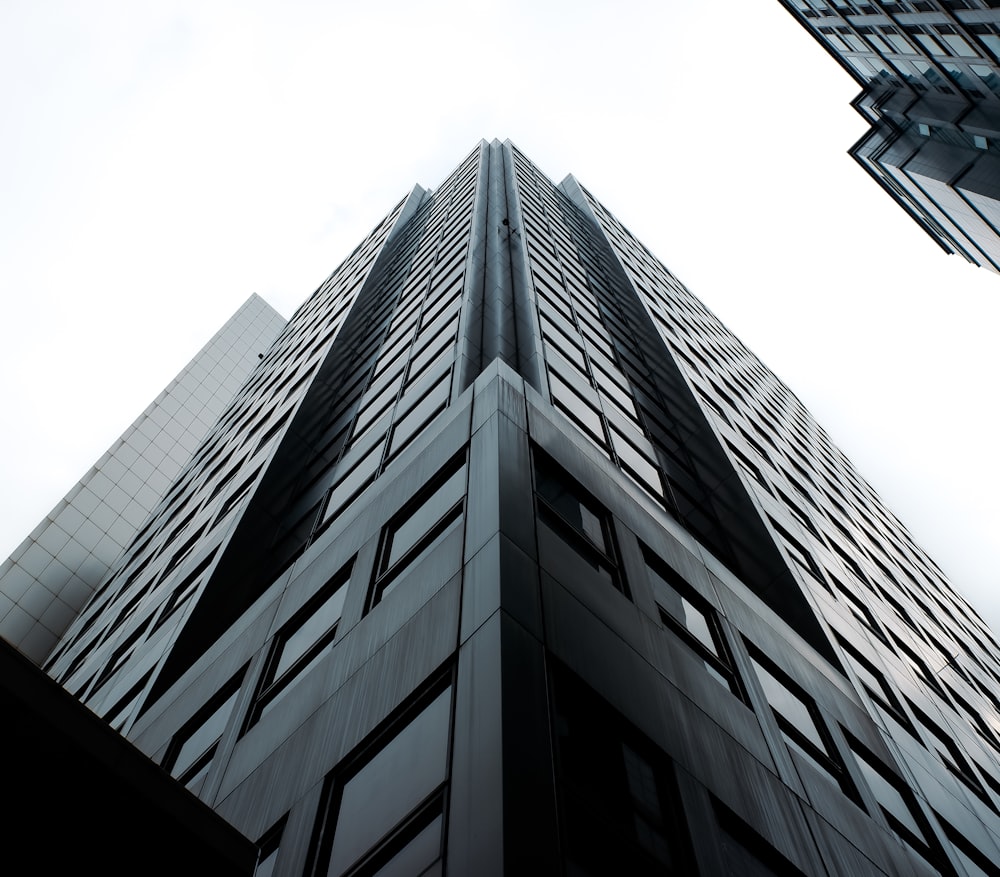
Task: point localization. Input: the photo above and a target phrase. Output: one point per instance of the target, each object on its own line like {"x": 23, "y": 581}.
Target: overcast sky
{"x": 160, "y": 162}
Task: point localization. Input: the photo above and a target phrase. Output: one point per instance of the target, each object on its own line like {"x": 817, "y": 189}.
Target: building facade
{"x": 930, "y": 78}
{"x": 54, "y": 571}
{"x": 510, "y": 558}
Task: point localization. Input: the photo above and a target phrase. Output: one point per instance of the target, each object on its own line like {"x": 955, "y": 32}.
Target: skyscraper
{"x": 930, "y": 80}
{"x": 510, "y": 558}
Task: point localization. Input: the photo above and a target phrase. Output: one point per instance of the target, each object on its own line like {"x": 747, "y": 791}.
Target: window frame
{"x": 577, "y": 540}
{"x": 203, "y": 760}
{"x": 271, "y": 685}
{"x": 721, "y": 660}
{"x": 386, "y": 569}
{"x": 419, "y": 817}
{"x": 827, "y": 757}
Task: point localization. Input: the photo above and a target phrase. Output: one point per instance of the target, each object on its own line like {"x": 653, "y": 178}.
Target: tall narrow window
{"x": 685, "y": 612}
{"x": 385, "y": 807}
{"x": 874, "y": 683}
{"x": 619, "y": 809}
{"x": 799, "y": 721}
{"x": 570, "y": 518}
{"x": 192, "y": 749}
{"x": 897, "y": 803}
{"x": 421, "y": 527}
{"x": 269, "y": 847}
{"x": 301, "y": 644}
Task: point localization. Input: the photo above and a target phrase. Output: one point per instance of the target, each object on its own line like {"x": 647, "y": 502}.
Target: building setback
{"x": 930, "y": 81}
{"x": 510, "y": 558}
{"x": 53, "y": 573}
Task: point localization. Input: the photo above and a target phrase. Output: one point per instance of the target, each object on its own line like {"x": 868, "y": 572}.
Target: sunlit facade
{"x": 510, "y": 558}
{"x": 931, "y": 93}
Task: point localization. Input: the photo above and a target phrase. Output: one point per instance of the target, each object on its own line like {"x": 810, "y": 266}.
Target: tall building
{"x": 510, "y": 558}
{"x": 55, "y": 570}
{"x": 930, "y": 78}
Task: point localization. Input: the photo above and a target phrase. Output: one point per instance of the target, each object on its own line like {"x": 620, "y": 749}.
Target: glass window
{"x": 421, "y": 526}
{"x": 191, "y": 751}
{"x": 567, "y": 512}
{"x": 799, "y": 721}
{"x": 420, "y": 415}
{"x": 301, "y": 643}
{"x": 385, "y": 813}
{"x": 874, "y": 683}
{"x": 895, "y": 800}
{"x": 574, "y": 406}
{"x": 690, "y": 616}
{"x": 269, "y": 846}
{"x": 798, "y": 552}
{"x": 619, "y": 807}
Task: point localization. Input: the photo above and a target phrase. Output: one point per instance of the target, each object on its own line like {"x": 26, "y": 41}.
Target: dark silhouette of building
{"x": 510, "y": 558}
{"x": 930, "y": 80}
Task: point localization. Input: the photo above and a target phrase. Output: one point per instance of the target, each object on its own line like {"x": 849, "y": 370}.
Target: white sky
{"x": 160, "y": 162}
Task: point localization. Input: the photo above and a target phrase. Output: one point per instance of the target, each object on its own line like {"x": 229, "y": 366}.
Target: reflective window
{"x": 693, "y": 620}
{"x": 269, "y": 847}
{"x": 799, "y": 721}
{"x": 300, "y": 644}
{"x": 874, "y": 683}
{"x": 569, "y": 514}
{"x": 798, "y": 552}
{"x": 421, "y": 526}
{"x": 895, "y": 800}
{"x": 191, "y": 751}
{"x": 385, "y": 813}
{"x": 421, "y": 414}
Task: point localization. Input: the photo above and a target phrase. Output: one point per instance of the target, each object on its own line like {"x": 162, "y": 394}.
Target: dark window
{"x": 269, "y": 845}
{"x": 874, "y": 683}
{"x": 744, "y": 852}
{"x": 684, "y": 611}
{"x": 421, "y": 527}
{"x": 120, "y": 713}
{"x": 750, "y": 468}
{"x": 385, "y": 806}
{"x": 799, "y": 721}
{"x": 858, "y": 608}
{"x": 569, "y": 514}
{"x": 619, "y": 808}
{"x": 975, "y": 861}
{"x": 193, "y": 747}
{"x": 896, "y": 802}
{"x": 798, "y": 553}
{"x": 943, "y": 743}
{"x": 300, "y": 644}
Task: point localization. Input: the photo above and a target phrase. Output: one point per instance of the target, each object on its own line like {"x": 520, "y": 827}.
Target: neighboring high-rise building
{"x": 931, "y": 92}
{"x": 510, "y": 558}
{"x": 53, "y": 573}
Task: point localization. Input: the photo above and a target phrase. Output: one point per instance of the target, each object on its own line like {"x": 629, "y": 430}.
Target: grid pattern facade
{"x": 931, "y": 79}
{"x": 53, "y": 573}
{"x": 510, "y": 558}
